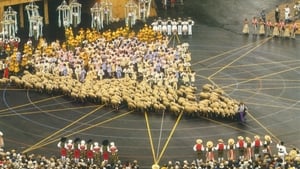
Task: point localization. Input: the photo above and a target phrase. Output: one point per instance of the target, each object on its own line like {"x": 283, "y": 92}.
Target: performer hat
{"x": 198, "y": 141}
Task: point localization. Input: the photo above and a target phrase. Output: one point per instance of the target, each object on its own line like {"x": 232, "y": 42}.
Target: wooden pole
{"x": 21, "y": 15}
{"x": 46, "y": 12}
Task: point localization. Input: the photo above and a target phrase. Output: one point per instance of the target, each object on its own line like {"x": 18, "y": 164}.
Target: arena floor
{"x": 262, "y": 72}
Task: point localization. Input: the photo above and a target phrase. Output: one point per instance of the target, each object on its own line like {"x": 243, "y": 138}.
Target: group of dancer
{"x": 258, "y": 26}
{"x": 173, "y": 27}
{"x": 79, "y": 150}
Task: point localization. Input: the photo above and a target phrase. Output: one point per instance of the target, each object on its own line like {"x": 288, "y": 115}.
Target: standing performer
{"x": 276, "y": 30}
{"x": 209, "y": 150}
{"x": 76, "y": 154}
{"x": 114, "y": 152}
{"x": 179, "y": 26}
{"x": 241, "y": 145}
{"x": 199, "y": 148}
{"x": 248, "y": 153}
{"x": 254, "y": 25}
{"x": 231, "y": 148}
{"x": 190, "y": 26}
{"x": 281, "y": 151}
{"x": 261, "y": 27}
{"x": 256, "y": 144}
{"x": 89, "y": 152}
{"x": 96, "y": 151}
{"x": 246, "y": 27}
{"x": 277, "y": 14}
{"x": 105, "y": 152}
{"x": 294, "y": 30}
{"x": 268, "y": 142}
{"x": 63, "y": 151}
{"x": 242, "y": 111}
{"x": 220, "y": 147}
{"x": 82, "y": 146}
{"x": 169, "y": 26}
{"x": 70, "y": 148}
{"x": 281, "y": 28}
{"x": 269, "y": 27}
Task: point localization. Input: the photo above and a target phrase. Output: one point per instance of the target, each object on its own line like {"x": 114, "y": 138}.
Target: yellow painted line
{"x": 253, "y": 64}
{"x": 249, "y": 51}
{"x": 62, "y": 129}
{"x": 272, "y": 88}
{"x": 23, "y": 105}
{"x": 82, "y": 130}
{"x": 14, "y": 89}
{"x": 224, "y": 53}
{"x": 265, "y": 128}
{"x": 267, "y": 75}
{"x": 6, "y": 114}
{"x": 267, "y": 80}
{"x": 273, "y": 106}
{"x": 169, "y": 138}
{"x": 150, "y": 137}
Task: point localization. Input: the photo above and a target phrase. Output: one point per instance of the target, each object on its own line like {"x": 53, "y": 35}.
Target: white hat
{"x": 1, "y": 134}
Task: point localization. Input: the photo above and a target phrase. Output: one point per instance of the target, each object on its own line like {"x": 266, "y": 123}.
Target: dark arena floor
{"x": 263, "y": 72}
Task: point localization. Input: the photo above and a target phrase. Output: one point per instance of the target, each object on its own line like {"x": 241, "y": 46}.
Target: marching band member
{"x": 159, "y": 25}
{"x": 246, "y": 27}
{"x": 154, "y": 25}
{"x": 76, "y": 151}
{"x": 220, "y": 147}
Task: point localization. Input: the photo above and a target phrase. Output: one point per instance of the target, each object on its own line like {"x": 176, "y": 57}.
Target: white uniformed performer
{"x": 159, "y": 25}
{"x": 185, "y": 27}
{"x": 169, "y": 26}
{"x": 164, "y": 27}
{"x": 281, "y": 151}
{"x": 174, "y": 27}
{"x": 190, "y": 26}
{"x": 154, "y": 26}
{"x": 179, "y": 26}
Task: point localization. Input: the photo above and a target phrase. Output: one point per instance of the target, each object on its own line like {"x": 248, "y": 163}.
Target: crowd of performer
{"x": 115, "y": 58}
{"x": 243, "y": 153}
{"x": 174, "y": 26}
{"x": 281, "y": 27}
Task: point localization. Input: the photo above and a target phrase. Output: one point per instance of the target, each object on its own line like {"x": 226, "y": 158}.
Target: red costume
{"x": 6, "y": 73}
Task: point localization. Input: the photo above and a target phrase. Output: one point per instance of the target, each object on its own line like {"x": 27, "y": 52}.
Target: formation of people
{"x": 173, "y": 27}
{"x": 281, "y": 27}
{"x": 244, "y": 149}
{"x": 91, "y": 153}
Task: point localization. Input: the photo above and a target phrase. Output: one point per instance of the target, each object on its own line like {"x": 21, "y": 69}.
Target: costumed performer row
{"x": 172, "y": 26}
{"x": 242, "y": 149}
{"x": 93, "y": 153}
